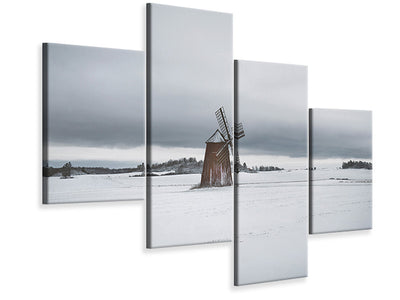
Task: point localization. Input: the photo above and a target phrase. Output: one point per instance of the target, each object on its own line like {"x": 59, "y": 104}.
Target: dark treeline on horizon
{"x": 175, "y": 166}
{"x": 254, "y": 169}
{"x": 191, "y": 161}
{"x": 351, "y": 164}
{"x": 67, "y": 170}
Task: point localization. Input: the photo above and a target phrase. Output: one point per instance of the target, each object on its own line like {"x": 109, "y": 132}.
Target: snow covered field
{"x": 181, "y": 215}
{"x": 272, "y": 226}
{"x": 341, "y": 199}
{"x": 88, "y": 188}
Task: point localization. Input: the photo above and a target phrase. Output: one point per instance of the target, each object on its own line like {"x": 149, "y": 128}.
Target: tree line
{"x": 357, "y": 165}
{"x": 191, "y": 161}
{"x": 245, "y": 168}
{"x": 67, "y": 170}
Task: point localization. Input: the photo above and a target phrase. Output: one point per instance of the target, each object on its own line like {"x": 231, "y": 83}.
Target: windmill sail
{"x": 223, "y": 153}
{"x": 223, "y": 124}
{"x": 239, "y": 131}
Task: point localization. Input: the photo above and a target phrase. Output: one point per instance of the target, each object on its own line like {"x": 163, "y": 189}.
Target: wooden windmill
{"x": 217, "y": 165}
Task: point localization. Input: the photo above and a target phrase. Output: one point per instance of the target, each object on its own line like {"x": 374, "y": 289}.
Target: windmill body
{"x": 215, "y": 173}
{"x": 217, "y": 164}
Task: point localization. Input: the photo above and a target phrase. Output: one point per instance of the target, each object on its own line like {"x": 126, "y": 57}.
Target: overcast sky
{"x": 272, "y": 105}
{"x": 95, "y": 101}
{"x": 343, "y": 134}
{"x": 191, "y": 77}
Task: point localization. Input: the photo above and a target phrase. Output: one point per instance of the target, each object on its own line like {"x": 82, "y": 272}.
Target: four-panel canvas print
{"x": 340, "y": 170}
{"x": 231, "y": 150}
{"x": 189, "y": 134}
{"x": 93, "y": 124}
{"x": 271, "y": 179}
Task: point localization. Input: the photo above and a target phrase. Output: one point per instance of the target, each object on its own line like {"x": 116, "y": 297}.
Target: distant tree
{"x": 140, "y": 167}
{"x": 66, "y": 170}
{"x": 244, "y": 165}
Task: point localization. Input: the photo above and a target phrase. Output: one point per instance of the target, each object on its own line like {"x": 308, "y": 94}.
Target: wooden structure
{"x": 217, "y": 164}
{"x": 215, "y": 173}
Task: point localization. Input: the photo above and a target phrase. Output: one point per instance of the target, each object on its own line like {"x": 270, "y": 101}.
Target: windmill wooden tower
{"x": 217, "y": 165}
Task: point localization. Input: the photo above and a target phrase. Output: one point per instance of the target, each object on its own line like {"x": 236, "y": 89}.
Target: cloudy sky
{"x": 339, "y": 135}
{"x": 191, "y": 77}
{"x": 272, "y": 105}
{"x": 95, "y": 105}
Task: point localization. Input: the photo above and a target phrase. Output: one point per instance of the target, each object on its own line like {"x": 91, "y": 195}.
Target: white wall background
{"x": 97, "y": 251}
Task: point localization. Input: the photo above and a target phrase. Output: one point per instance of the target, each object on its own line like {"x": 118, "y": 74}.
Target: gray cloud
{"x": 191, "y": 74}
{"x": 272, "y": 105}
{"x": 95, "y": 96}
{"x": 341, "y": 133}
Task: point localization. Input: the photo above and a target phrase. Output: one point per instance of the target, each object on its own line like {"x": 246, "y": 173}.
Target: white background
{"x": 97, "y": 251}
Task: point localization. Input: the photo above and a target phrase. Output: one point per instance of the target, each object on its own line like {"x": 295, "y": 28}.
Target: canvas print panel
{"x": 340, "y": 170}
{"x": 189, "y": 119}
{"x": 93, "y": 124}
{"x": 271, "y": 178}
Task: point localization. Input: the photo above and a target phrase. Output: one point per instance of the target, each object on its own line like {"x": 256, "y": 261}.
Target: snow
{"x": 273, "y": 223}
{"x": 341, "y": 199}
{"x": 90, "y": 188}
{"x": 182, "y": 215}
{"x": 272, "y": 228}
{"x": 162, "y": 172}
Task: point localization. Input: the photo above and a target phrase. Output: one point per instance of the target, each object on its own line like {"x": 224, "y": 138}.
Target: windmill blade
{"x": 223, "y": 153}
{"x": 236, "y": 165}
{"x": 224, "y": 161}
{"x": 223, "y": 124}
{"x": 239, "y": 131}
